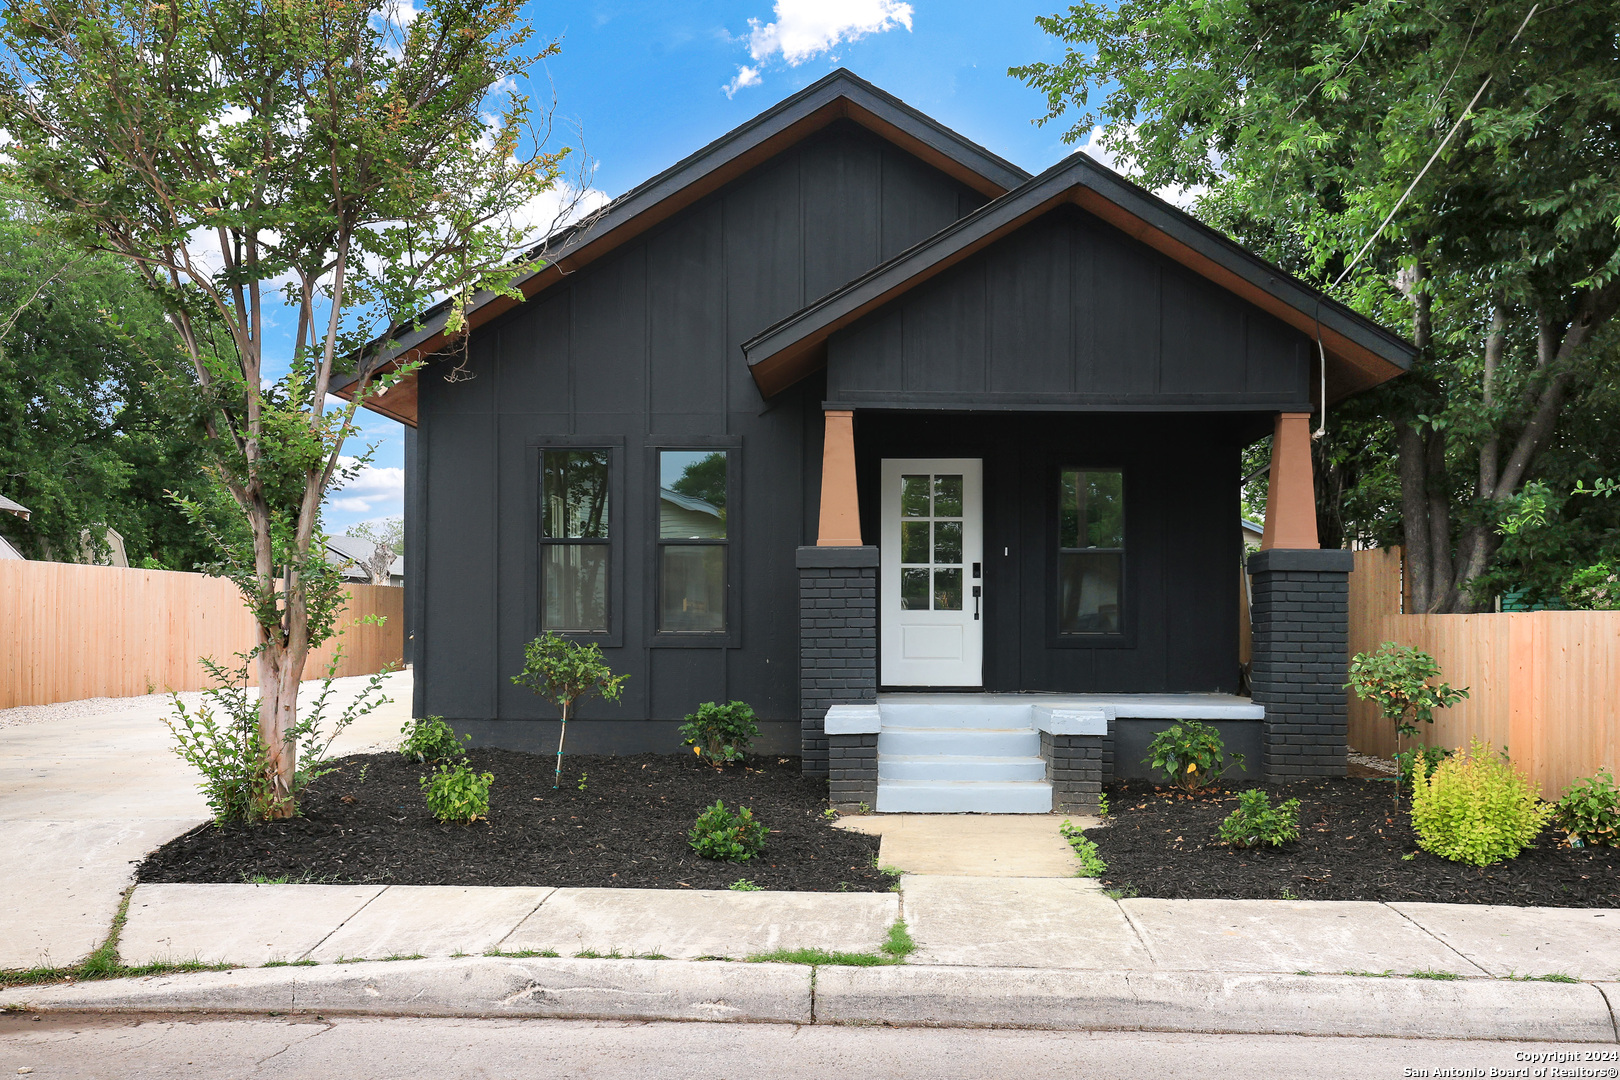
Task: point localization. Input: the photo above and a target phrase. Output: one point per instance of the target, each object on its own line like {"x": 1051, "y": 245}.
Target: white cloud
{"x": 806, "y": 29}
{"x": 1181, "y": 197}
{"x": 557, "y": 208}
{"x": 746, "y": 76}
{"x": 375, "y": 491}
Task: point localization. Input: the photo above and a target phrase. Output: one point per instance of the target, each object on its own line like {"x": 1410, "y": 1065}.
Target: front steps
{"x": 960, "y": 756}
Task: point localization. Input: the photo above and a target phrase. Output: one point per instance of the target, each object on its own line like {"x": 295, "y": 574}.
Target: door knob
{"x": 976, "y": 600}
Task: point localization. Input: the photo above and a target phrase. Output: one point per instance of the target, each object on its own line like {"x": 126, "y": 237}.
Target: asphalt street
{"x": 61, "y": 1046}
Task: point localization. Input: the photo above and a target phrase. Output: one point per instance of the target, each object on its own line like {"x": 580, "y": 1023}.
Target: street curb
{"x": 470, "y": 986}
{"x": 1213, "y": 1002}
{"x": 912, "y": 995}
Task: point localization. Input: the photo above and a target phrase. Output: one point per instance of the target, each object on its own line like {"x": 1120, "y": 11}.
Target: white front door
{"x": 931, "y": 574}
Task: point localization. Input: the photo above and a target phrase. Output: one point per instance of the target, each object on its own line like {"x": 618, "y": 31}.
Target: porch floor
{"x": 1137, "y": 706}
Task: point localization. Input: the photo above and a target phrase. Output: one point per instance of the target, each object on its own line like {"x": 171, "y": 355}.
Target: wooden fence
{"x": 69, "y": 631}
{"x": 1544, "y": 684}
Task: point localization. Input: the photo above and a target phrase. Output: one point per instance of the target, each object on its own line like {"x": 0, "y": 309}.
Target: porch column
{"x": 840, "y": 502}
{"x": 838, "y": 625}
{"x": 1300, "y": 620}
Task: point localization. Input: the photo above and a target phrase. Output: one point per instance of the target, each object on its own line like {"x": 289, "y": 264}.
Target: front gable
{"x": 1069, "y": 312}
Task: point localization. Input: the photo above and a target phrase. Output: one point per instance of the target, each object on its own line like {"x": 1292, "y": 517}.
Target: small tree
{"x": 1396, "y": 678}
{"x": 337, "y": 166}
{"x": 564, "y": 673}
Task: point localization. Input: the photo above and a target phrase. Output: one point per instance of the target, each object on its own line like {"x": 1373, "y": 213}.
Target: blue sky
{"x": 647, "y": 83}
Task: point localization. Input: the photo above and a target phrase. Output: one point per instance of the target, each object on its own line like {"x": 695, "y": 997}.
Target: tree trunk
{"x": 1413, "y": 453}
{"x": 279, "y": 677}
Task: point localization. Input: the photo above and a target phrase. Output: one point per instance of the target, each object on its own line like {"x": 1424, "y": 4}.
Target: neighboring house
{"x": 1253, "y": 531}
{"x": 353, "y": 554}
{"x": 957, "y": 429}
{"x": 16, "y": 509}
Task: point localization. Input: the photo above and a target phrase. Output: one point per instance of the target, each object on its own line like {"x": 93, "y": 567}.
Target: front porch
{"x": 1010, "y": 753}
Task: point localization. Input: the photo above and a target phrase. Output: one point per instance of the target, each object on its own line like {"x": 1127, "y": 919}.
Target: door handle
{"x": 976, "y": 603}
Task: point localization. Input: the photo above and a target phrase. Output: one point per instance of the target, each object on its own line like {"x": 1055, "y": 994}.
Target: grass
{"x": 524, "y": 954}
{"x": 1091, "y": 860}
{"x": 894, "y": 950}
{"x": 291, "y": 963}
{"x": 1438, "y": 976}
{"x": 1554, "y": 977}
{"x": 103, "y": 963}
{"x": 1126, "y": 891}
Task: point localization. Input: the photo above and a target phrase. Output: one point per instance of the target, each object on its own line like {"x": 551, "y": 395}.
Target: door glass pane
{"x": 574, "y": 487}
{"x": 914, "y": 590}
{"x": 1088, "y": 593}
{"x": 692, "y": 494}
{"x": 914, "y": 496}
{"x": 575, "y": 577}
{"x": 914, "y": 541}
{"x": 692, "y": 590}
{"x": 948, "y": 590}
{"x": 947, "y": 541}
{"x": 947, "y": 496}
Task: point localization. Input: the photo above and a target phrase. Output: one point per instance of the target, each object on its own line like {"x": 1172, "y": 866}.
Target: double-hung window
{"x": 1091, "y": 550}
{"x": 693, "y": 540}
{"x": 574, "y": 540}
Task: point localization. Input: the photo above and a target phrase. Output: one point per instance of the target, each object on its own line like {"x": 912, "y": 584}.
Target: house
{"x": 353, "y": 553}
{"x": 931, "y": 461}
{"x": 16, "y": 509}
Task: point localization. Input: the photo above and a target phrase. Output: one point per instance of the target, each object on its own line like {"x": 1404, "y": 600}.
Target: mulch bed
{"x": 626, "y": 829}
{"x": 1351, "y": 847}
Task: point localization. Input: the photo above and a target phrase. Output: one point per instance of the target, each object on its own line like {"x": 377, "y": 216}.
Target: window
{"x": 1091, "y": 550}
{"x": 692, "y": 540}
{"x": 574, "y": 545}
{"x": 931, "y": 542}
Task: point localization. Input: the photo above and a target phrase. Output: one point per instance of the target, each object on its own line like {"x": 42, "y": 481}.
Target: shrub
{"x": 456, "y": 793}
{"x": 1594, "y": 588}
{"x": 1589, "y": 812}
{"x": 720, "y": 733}
{"x": 732, "y": 836}
{"x": 1397, "y": 679}
{"x": 1256, "y": 823}
{"x": 430, "y": 739}
{"x": 1191, "y": 754}
{"x": 1419, "y": 759}
{"x": 565, "y": 673}
{"x": 238, "y": 777}
{"x": 1476, "y": 808}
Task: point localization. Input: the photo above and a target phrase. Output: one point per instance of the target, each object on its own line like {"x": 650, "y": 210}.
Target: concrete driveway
{"x": 88, "y": 788}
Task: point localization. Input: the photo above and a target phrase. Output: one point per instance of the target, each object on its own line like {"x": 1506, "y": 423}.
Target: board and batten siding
{"x": 1069, "y": 312}
{"x": 638, "y": 350}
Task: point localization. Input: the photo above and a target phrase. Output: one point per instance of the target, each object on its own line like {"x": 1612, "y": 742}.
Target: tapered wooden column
{"x": 840, "y": 504}
{"x": 1291, "y": 502}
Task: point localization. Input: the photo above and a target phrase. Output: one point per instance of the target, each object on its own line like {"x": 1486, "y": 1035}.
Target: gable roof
{"x": 839, "y": 96}
{"x": 1360, "y": 353}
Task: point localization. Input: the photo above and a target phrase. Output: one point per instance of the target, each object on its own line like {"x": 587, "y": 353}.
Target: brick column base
{"x": 1074, "y": 767}
{"x": 1073, "y": 743}
{"x": 852, "y": 770}
{"x": 1301, "y": 654}
{"x": 837, "y": 641}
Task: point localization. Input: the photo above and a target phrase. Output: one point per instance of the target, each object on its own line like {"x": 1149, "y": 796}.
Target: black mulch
{"x": 627, "y": 829}
{"x": 1351, "y": 847}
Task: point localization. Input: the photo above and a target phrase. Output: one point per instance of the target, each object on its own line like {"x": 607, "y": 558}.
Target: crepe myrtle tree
{"x": 336, "y": 165}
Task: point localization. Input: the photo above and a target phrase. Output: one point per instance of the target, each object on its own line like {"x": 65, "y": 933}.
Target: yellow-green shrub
{"x": 1477, "y": 808}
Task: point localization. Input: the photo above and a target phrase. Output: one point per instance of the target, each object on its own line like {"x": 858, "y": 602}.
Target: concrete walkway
{"x": 87, "y": 788}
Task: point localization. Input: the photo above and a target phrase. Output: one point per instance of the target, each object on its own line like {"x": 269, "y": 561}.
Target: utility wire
{"x": 1321, "y": 350}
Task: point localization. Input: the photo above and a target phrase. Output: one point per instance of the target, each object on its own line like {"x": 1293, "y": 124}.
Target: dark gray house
{"x": 933, "y": 462}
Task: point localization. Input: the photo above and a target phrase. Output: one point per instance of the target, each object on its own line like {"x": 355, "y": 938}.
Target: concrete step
{"x": 962, "y": 797}
{"x": 949, "y": 767}
{"x": 958, "y": 742}
{"x": 967, "y": 712}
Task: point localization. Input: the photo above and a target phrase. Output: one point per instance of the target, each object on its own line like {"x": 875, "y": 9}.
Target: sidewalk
{"x": 87, "y": 788}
